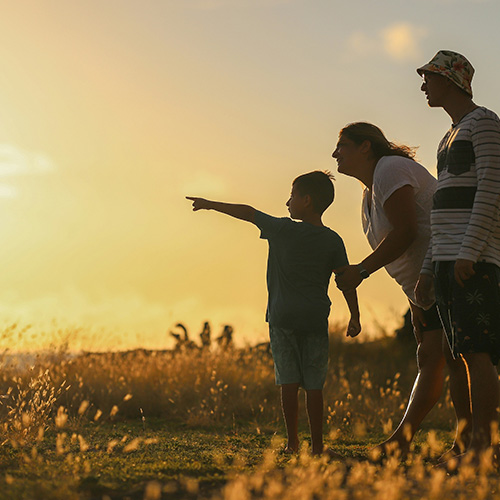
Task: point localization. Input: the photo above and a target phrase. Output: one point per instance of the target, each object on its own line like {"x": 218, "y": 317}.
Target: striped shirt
{"x": 465, "y": 216}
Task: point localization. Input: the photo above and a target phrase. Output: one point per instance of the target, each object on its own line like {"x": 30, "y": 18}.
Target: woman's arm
{"x": 401, "y": 213}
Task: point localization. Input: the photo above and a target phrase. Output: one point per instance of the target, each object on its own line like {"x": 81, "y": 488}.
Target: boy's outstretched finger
{"x": 196, "y": 202}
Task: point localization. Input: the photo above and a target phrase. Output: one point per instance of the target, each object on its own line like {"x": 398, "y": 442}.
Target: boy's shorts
{"x": 300, "y": 356}
{"x": 470, "y": 315}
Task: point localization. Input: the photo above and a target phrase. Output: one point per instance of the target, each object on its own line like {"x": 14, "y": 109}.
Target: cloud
{"x": 8, "y": 192}
{"x": 14, "y": 162}
{"x": 400, "y": 42}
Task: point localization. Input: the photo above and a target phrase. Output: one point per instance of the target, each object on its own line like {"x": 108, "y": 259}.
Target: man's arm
{"x": 486, "y": 143}
{"x": 400, "y": 211}
{"x": 242, "y": 212}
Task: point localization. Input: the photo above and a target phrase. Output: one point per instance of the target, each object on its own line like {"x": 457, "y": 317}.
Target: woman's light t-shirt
{"x": 392, "y": 173}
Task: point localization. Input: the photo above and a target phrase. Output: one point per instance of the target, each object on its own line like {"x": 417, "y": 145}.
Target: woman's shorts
{"x": 432, "y": 320}
{"x": 300, "y": 356}
{"x": 470, "y": 315}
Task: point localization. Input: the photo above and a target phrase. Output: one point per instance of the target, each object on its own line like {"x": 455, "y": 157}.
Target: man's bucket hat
{"x": 453, "y": 66}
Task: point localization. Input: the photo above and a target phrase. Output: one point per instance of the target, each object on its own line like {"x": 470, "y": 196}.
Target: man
{"x": 464, "y": 255}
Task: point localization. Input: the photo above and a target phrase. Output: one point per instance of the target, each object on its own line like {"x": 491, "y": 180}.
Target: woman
{"x": 396, "y": 205}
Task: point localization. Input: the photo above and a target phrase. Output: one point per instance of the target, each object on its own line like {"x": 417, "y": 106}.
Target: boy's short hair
{"x": 319, "y": 186}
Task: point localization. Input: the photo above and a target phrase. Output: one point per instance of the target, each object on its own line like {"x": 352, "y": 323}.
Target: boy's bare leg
{"x": 314, "y": 404}
{"x": 485, "y": 393}
{"x": 425, "y": 393}
{"x": 290, "y": 408}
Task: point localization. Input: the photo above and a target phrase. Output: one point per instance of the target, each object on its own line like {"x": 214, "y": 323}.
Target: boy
{"x": 302, "y": 256}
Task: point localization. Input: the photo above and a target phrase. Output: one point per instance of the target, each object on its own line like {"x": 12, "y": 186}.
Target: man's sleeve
{"x": 269, "y": 226}
{"x": 486, "y": 143}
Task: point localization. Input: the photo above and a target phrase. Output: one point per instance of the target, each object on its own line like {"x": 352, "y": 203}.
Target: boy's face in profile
{"x": 297, "y": 204}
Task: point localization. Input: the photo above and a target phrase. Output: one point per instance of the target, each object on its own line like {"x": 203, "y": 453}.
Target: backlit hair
{"x": 319, "y": 186}
{"x": 359, "y": 132}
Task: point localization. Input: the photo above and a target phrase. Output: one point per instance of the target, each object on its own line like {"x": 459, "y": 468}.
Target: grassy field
{"x": 207, "y": 424}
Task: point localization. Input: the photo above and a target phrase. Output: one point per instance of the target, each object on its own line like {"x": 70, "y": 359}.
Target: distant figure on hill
{"x": 206, "y": 336}
{"x": 463, "y": 262}
{"x": 226, "y": 338}
{"x": 396, "y": 207}
{"x": 182, "y": 341}
{"x": 302, "y": 256}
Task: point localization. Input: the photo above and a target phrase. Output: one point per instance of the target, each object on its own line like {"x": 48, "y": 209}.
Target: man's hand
{"x": 424, "y": 290}
{"x": 464, "y": 269}
{"x": 347, "y": 278}
{"x": 353, "y": 328}
{"x": 199, "y": 203}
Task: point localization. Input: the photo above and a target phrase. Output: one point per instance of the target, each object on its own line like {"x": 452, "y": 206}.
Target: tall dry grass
{"x": 308, "y": 478}
{"x": 367, "y": 387}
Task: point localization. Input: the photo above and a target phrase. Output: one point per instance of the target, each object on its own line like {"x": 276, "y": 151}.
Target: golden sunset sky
{"x": 112, "y": 111}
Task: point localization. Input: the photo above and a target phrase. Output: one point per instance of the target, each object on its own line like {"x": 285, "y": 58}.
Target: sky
{"x": 112, "y": 112}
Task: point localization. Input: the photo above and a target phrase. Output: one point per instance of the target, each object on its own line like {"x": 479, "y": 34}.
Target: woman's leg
{"x": 426, "y": 389}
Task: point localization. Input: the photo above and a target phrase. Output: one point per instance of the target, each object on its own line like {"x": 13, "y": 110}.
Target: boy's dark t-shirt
{"x": 300, "y": 264}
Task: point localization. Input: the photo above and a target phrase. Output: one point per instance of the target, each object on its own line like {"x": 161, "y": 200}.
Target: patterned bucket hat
{"x": 452, "y": 65}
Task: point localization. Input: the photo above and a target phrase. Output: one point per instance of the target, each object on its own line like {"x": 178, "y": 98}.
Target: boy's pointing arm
{"x": 242, "y": 212}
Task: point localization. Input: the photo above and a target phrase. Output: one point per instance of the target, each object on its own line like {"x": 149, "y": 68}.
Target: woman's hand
{"x": 424, "y": 290}
{"x": 347, "y": 278}
{"x": 418, "y": 321}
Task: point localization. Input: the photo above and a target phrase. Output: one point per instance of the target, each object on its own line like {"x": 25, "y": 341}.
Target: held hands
{"x": 353, "y": 328}
{"x": 347, "y": 278}
{"x": 199, "y": 203}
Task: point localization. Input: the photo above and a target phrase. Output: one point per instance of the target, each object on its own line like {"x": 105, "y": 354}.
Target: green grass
{"x": 183, "y": 462}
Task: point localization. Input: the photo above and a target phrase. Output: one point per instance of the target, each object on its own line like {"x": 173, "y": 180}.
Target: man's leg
{"x": 290, "y": 407}
{"x": 460, "y": 395}
{"x": 485, "y": 393}
{"x": 314, "y": 404}
{"x": 426, "y": 389}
